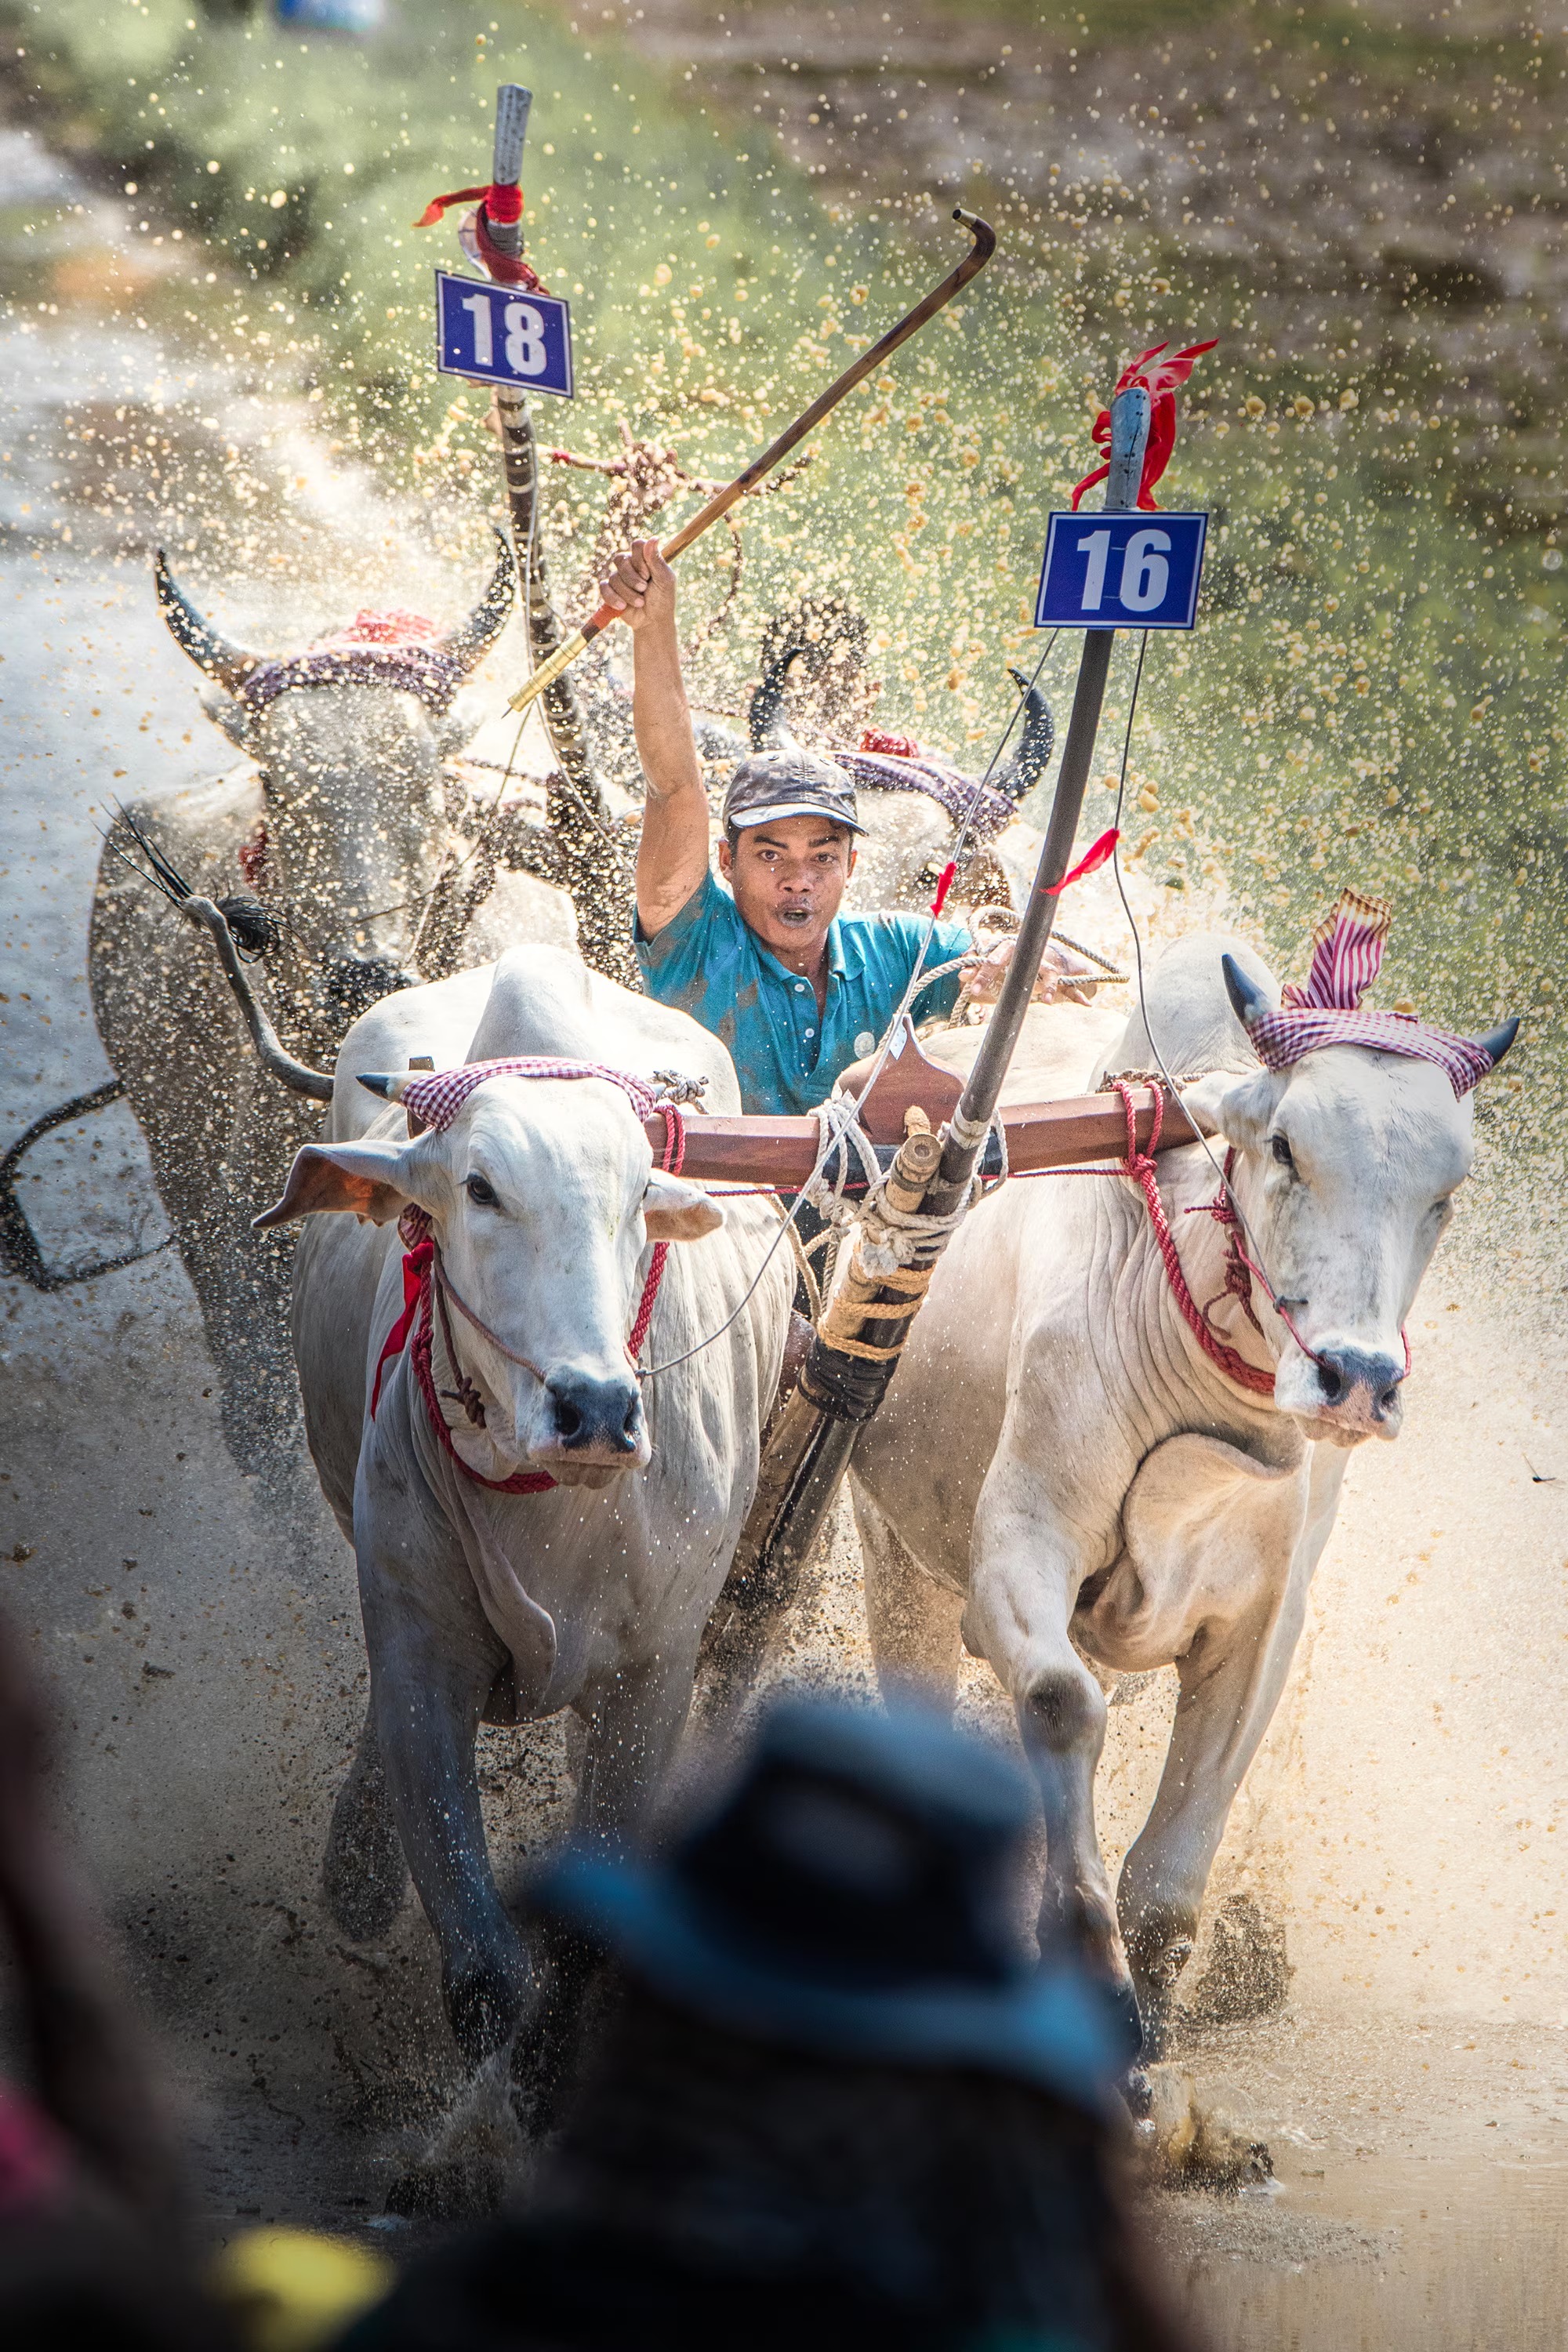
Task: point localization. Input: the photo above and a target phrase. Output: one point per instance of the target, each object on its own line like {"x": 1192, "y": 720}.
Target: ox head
{"x": 349, "y": 739}
{"x": 1349, "y": 1162}
{"x": 542, "y": 1199}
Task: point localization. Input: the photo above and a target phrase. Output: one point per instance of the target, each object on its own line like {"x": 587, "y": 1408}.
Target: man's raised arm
{"x": 672, "y": 857}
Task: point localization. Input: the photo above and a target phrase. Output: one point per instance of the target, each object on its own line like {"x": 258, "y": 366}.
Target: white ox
{"x": 1061, "y": 1478}
{"x": 478, "y": 1606}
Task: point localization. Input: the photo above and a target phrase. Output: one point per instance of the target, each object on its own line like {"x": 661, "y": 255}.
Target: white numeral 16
{"x": 525, "y": 352}
{"x": 1145, "y": 574}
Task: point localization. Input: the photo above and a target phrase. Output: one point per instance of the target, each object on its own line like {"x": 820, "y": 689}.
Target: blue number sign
{"x": 503, "y": 335}
{"x": 1121, "y": 572}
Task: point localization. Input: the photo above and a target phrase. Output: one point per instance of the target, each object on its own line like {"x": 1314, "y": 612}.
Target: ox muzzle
{"x": 589, "y": 1428}
{"x": 1344, "y": 1393}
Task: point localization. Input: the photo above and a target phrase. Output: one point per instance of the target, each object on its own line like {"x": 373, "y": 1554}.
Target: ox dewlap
{"x": 1121, "y": 572}
{"x": 503, "y": 334}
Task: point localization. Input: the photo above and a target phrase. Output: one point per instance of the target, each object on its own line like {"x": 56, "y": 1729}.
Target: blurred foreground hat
{"x": 854, "y": 1892}
{"x": 794, "y": 783}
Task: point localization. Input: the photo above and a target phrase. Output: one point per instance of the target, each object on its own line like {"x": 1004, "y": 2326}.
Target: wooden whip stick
{"x": 974, "y": 262}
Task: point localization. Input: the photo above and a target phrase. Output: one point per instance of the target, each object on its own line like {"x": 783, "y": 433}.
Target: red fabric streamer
{"x": 1160, "y": 382}
{"x": 944, "y": 884}
{"x": 434, "y": 211}
{"x": 1101, "y": 855}
{"x": 395, "y": 626}
{"x": 496, "y": 203}
{"x": 891, "y": 747}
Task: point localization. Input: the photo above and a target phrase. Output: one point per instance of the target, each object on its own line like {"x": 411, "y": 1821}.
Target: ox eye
{"x": 482, "y": 1193}
{"x": 1282, "y": 1151}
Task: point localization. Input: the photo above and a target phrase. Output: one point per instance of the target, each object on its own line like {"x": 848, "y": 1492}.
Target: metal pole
{"x": 837, "y": 1394}
{"x": 577, "y": 816}
{"x": 965, "y": 1138}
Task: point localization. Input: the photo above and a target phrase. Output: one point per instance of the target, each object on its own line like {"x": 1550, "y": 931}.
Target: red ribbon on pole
{"x": 1160, "y": 382}
{"x": 497, "y": 203}
{"x": 1103, "y": 851}
{"x": 945, "y": 884}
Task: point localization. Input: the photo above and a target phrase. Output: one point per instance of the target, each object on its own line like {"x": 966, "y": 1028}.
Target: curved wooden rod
{"x": 983, "y": 246}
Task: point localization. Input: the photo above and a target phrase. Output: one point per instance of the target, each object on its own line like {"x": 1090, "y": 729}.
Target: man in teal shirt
{"x": 796, "y": 991}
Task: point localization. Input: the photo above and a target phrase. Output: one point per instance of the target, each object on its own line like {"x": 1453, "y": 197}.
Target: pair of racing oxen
{"x": 536, "y": 1368}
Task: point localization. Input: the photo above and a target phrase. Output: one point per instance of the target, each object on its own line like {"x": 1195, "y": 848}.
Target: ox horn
{"x": 766, "y": 722}
{"x": 1497, "y": 1041}
{"x": 229, "y": 663}
{"x": 469, "y": 645}
{"x": 1035, "y": 744}
{"x": 1247, "y": 999}
{"x": 378, "y": 1082}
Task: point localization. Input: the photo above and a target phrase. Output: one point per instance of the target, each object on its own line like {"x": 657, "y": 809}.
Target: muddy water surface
{"x": 199, "y": 1629}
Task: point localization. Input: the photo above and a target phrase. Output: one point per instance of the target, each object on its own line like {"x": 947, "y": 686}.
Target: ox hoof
{"x": 1158, "y": 1951}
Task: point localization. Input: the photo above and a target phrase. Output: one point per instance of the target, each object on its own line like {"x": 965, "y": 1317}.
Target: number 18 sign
{"x": 503, "y": 335}
{"x": 1121, "y": 572}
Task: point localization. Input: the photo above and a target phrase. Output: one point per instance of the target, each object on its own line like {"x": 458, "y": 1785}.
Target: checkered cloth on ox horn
{"x": 1347, "y": 954}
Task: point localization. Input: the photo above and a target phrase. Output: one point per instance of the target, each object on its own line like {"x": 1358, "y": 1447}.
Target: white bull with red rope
{"x": 535, "y": 1526}
{"x": 1070, "y": 1480}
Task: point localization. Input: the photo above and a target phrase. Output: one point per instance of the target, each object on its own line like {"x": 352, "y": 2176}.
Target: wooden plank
{"x": 783, "y": 1151}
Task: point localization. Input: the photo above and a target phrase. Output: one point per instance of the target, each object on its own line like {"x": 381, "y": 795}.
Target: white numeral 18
{"x": 525, "y": 329}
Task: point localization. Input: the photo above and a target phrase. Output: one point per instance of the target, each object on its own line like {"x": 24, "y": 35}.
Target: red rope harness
{"x": 425, "y": 1291}
{"x": 1139, "y": 1166}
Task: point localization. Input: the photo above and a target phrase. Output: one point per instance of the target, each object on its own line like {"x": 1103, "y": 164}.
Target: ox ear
{"x": 1244, "y": 1110}
{"x": 361, "y": 1177}
{"x": 674, "y": 1212}
{"x": 1200, "y": 1100}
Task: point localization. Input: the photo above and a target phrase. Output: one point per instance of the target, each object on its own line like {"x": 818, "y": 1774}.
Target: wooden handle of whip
{"x": 551, "y": 668}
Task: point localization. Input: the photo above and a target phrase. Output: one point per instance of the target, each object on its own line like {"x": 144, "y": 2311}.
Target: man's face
{"x": 788, "y": 875}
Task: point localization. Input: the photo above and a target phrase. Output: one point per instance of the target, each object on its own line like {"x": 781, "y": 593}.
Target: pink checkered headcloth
{"x": 1347, "y": 955}
{"x": 439, "y": 1096}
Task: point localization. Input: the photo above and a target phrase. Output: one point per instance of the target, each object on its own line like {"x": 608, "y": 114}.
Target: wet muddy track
{"x": 199, "y": 1629}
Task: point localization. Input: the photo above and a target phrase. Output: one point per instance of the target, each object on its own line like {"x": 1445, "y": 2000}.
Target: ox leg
{"x": 1024, "y": 1582}
{"x": 634, "y": 1722}
{"x": 914, "y": 1621}
{"x": 430, "y": 1677}
{"x": 1231, "y": 1677}
{"x": 365, "y": 1874}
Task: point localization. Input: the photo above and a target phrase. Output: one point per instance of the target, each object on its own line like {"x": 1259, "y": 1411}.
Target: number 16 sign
{"x": 1121, "y": 572}
{"x": 502, "y": 334}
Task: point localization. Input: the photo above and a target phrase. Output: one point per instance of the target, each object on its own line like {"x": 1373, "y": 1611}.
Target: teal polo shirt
{"x": 787, "y": 1059}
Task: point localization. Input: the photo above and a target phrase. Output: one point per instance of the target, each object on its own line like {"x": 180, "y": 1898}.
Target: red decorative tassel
{"x": 1101, "y": 855}
{"x": 1160, "y": 382}
{"x": 943, "y": 886}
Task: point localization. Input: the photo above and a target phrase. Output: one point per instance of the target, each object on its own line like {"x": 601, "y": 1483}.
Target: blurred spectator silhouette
{"x": 834, "y": 2104}
{"x": 94, "y": 2242}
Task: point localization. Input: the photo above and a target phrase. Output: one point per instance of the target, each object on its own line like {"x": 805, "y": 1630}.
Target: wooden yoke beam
{"x": 1071, "y": 1133}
